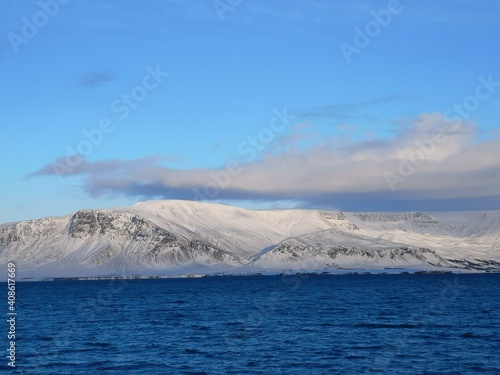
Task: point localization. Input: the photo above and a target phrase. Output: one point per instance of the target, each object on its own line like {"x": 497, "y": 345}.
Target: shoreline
{"x": 256, "y": 274}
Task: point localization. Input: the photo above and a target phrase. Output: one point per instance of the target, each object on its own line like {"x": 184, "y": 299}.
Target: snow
{"x": 184, "y": 237}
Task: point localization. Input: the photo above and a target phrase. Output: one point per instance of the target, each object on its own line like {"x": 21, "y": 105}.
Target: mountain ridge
{"x": 184, "y": 237}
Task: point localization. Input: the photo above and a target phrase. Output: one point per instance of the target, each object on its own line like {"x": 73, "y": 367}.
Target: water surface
{"x": 355, "y": 324}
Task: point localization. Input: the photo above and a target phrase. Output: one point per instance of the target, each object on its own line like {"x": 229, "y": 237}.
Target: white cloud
{"x": 447, "y": 159}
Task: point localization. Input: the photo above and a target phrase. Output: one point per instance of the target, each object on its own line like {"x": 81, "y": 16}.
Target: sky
{"x": 349, "y": 105}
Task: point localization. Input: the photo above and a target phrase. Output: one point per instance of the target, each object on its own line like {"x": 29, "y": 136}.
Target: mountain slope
{"x": 103, "y": 242}
{"x": 162, "y": 237}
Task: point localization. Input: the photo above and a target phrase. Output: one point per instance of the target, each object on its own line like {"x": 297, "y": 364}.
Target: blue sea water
{"x": 354, "y": 324}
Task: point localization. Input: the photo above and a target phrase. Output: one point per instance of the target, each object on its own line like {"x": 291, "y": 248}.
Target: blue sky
{"x": 255, "y": 104}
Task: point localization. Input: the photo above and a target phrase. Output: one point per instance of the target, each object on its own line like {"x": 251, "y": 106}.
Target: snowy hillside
{"x": 182, "y": 237}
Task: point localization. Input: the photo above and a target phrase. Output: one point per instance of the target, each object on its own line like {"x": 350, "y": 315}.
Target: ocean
{"x": 307, "y": 324}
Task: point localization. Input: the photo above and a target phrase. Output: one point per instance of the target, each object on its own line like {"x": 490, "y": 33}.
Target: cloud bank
{"x": 431, "y": 165}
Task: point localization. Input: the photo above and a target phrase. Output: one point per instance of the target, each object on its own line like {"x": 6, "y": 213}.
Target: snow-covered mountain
{"x": 179, "y": 237}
